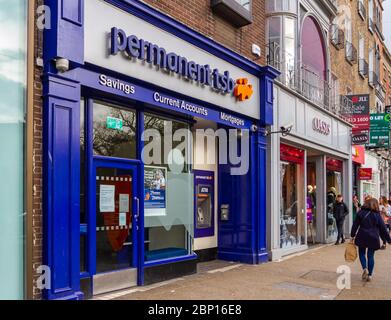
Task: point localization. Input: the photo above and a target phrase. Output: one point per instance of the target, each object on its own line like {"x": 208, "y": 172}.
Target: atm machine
{"x": 204, "y": 204}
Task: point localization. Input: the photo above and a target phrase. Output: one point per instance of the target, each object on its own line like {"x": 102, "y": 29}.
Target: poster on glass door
{"x": 155, "y": 184}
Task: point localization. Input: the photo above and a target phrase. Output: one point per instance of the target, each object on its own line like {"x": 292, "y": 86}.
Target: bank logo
{"x": 243, "y": 90}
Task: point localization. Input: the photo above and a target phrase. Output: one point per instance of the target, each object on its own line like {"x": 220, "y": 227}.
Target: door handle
{"x": 137, "y": 208}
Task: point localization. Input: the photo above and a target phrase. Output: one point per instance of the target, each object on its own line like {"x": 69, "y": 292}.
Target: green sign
{"x": 379, "y": 130}
{"x": 114, "y": 123}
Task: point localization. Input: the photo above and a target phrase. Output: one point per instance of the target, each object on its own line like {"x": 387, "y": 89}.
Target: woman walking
{"x": 385, "y": 212}
{"x": 366, "y": 231}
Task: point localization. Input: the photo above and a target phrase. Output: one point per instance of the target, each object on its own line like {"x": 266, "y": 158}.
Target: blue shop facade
{"x": 137, "y": 188}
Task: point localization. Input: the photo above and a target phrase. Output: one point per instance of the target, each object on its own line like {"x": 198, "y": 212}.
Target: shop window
{"x": 114, "y": 131}
{"x": 168, "y": 190}
{"x": 334, "y": 169}
{"x": 311, "y": 204}
{"x": 292, "y": 218}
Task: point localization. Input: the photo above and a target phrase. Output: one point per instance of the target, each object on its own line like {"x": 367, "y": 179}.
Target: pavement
{"x": 310, "y": 275}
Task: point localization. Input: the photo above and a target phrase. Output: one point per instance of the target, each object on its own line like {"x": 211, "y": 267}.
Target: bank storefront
{"x": 138, "y": 188}
{"x": 313, "y": 166}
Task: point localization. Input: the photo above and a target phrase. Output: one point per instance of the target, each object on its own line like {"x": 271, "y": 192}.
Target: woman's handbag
{"x": 350, "y": 252}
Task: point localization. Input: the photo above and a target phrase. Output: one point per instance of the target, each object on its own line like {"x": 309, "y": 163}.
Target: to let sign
{"x": 379, "y": 130}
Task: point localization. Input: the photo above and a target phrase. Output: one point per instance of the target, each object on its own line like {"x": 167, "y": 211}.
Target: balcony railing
{"x": 371, "y": 25}
{"x": 337, "y": 37}
{"x": 378, "y": 28}
{"x": 363, "y": 67}
{"x": 351, "y": 52}
{"x": 361, "y": 9}
{"x": 305, "y": 81}
{"x": 346, "y": 107}
{"x": 373, "y": 79}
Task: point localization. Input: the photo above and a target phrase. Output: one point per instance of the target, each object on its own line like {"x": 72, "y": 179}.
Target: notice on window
{"x": 106, "y": 198}
{"x": 123, "y": 202}
{"x": 122, "y": 219}
{"x": 155, "y": 191}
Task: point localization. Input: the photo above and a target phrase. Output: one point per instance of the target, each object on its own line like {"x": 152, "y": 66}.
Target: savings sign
{"x": 358, "y": 115}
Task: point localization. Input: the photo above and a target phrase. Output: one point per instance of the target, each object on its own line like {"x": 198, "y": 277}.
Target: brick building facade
{"x": 356, "y": 47}
{"x": 198, "y": 15}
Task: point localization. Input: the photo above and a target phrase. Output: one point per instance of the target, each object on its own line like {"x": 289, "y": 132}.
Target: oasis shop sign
{"x": 141, "y": 49}
{"x": 321, "y": 126}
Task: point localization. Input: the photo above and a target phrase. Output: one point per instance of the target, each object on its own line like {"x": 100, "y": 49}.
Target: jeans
{"x": 340, "y": 224}
{"x": 363, "y": 259}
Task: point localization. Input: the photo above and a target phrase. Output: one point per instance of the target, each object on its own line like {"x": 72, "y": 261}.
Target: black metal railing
{"x": 371, "y": 25}
{"x": 351, "y": 52}
{"x": 303, "y": 79}
{"x": 361, "y": 9}
{"x": 363, "y": 67}
{"x": 373, "y": 79}
{"x": 337, "y": 36}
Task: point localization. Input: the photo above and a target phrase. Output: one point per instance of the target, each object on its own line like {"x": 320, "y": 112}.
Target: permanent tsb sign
{"x": 158, "y": 56}
{"x": 136, "y": 48}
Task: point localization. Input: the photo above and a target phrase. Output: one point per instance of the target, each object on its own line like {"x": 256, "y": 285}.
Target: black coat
{"x": 340, "y": 211}
{"x": 371, "y": 227}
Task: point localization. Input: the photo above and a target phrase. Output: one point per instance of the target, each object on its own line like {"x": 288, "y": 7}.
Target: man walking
{"x": 340, "y": 211}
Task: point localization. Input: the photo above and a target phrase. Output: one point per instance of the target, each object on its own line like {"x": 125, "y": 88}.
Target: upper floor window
{"x": 282, "y": 45}
{"x": 363, "y": 64}
{"x": 237, "y": 12}
{"x": 244, "y": 3}
{"x": 370, "y": 15}
{"x": 361, "y": 9}
{"x": 313, "y": 48}
{"x": 378, "y": 16}
{"x": 281, "y": 6}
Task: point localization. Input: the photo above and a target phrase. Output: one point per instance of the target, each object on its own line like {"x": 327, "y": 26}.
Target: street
{"x": 311, "y": 275}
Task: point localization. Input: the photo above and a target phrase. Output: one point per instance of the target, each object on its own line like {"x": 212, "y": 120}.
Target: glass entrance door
{"x": 116, "y": 220}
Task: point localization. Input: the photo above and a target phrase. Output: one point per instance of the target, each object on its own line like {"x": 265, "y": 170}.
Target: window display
{"x": 334, "y": 188}
{"x": 292, "y": 222}
{"x": 311, "y": 202}
{"x": 168, "y": 195}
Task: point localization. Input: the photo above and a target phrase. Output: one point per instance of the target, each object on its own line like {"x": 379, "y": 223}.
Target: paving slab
{"x": 311, "y": 275}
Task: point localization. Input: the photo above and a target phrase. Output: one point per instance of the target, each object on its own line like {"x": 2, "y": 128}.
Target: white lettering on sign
{"x": 116, "y": 84}
{"x": 321, "y": 126}
{"x": 231, "y": 119}
{"x": 180, "y": 104}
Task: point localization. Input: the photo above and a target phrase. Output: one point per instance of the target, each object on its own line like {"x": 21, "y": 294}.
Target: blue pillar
{"x": 268, "y": 74}
{"x": 259, "y": 146}
{"x": 61, "y": 202}
{"x": 65, "y": 36}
